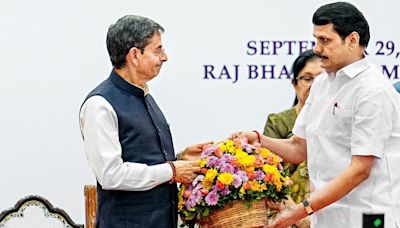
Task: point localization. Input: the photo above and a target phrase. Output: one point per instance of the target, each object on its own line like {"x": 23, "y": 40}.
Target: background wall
{"x": 52, "y": 53}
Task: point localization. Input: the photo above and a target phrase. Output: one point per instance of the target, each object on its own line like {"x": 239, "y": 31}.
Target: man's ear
{"x": 353, "y": 39}
{"x": 133, "y": 56}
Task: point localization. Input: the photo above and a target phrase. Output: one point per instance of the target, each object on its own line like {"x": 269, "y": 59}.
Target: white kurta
{"x": 355, "y": 112}
{"x": 99, "y": 126}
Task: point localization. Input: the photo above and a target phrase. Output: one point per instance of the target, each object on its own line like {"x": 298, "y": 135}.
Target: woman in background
{"x": 305, "y": 68}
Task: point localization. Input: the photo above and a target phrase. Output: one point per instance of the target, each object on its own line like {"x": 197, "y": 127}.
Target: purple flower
{"x": 226, "y": 167}
{"x": 197, "y": 179}
{"x": 248, "y": 148}
{"x": 190, "y": 202}
{"x": 237, "y": 181}
{"x": 259, "y": 175}
{"x": 207, "y": 152}
{"x": 211, "y": 161}
{"x": 242, "y": 174}
{"x": 226, "y": 157}
{"x": 225, "y": 192}
{"x": 197, "y": 194}
{"x": 212, "y": 198}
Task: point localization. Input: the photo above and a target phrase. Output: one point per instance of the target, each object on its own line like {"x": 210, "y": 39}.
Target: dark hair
{"x": 299, "y": 63}
{"x": 129, "y": 31}
{"x": 345, "y": 18}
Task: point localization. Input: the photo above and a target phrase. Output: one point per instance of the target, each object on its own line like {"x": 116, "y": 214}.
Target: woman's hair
{"x": 299, "y": 64}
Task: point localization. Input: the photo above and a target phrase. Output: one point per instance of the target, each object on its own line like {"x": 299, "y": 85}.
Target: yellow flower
{"x": 231, "y": 149}
{"x": 181, "y": 202}
{"x": 211, "y": 174}
{"x": 264, "y": 152}
{"x": 238, "y": 150}
{"x": 247, "y": 160}
{"x": 242, "y": 191}
{"x": 223, "y": 148}
{"x": 276, "y": 176}
{"x": 240, "y": 153}
{"x": 202, "y": 162}
{"x": 255, "y": 186}
{"x": 229, "y": 143}
{"x": 207, "y": 185}
{"x": 249, "y": 169}
{"x": 226, "y": 178}
{"x": 276, "y": 160}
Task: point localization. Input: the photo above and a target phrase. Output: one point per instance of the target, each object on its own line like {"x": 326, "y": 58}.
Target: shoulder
{"x": 283, "y": 117}
{"x": 281, "y": 123}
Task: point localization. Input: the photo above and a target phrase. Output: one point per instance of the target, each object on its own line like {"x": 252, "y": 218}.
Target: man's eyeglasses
{"x": 306, "y": 80}
{"x": 159, "y": 53}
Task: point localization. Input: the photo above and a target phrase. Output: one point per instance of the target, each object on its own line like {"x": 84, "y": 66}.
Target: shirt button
{"x": 165, "y": 152}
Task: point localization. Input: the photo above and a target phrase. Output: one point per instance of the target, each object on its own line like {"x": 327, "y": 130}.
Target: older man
{"x": 126, "y": 136}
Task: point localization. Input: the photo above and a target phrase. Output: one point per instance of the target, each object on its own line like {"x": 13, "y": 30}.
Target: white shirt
{"x": 99, "y": 127}
{"x": 355, "y": 112}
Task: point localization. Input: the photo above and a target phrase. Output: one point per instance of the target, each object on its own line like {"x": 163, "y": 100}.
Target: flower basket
{"x": 237, "y": 215}
{"x": 236, "y": 178}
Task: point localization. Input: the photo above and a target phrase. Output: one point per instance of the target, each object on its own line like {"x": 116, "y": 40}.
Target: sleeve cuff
{"x": 163, "y": 173}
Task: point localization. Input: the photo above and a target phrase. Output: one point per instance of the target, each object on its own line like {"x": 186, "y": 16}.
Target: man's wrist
{"x": 173, "y": 179}
{"x": 258, "y": 136}
{"x": 307, "y": 207}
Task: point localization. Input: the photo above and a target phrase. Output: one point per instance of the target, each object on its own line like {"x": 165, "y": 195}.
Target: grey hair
{"x": 129, "y": 31}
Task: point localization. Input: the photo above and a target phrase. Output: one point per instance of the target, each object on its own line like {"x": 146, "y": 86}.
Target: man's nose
{"x": 317, "y": 48}
{"x": 164, "y": 57}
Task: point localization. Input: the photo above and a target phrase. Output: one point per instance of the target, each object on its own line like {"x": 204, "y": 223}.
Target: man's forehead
{"x": 323, "y": 29}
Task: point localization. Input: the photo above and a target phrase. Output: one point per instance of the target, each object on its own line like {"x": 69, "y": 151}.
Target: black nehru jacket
{"x": 145, "y": 138}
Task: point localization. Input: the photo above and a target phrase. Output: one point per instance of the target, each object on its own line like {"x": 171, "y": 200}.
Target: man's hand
{"x": 186, "y": 171}
{"x": 288, "y": 216}
{"x": 193, "y": 152}
{"x": 251, "y": 136}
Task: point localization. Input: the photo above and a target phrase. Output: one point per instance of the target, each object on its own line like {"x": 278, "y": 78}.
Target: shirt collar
{"x": 354, "y": 69}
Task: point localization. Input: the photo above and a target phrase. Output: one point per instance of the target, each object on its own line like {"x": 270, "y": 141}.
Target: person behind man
{"x": 305, "y": 68}
{"x": 348, "y": 130}
{"x": 127, "y": 139}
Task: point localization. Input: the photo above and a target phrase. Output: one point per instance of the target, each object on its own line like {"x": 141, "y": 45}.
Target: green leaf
{"x": 188, "y": 215}
{"x": 206, "y": 212}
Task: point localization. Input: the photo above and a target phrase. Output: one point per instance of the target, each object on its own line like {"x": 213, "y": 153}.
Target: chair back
{"x": 90, "y": 205}
{"x": 36, "y": 211}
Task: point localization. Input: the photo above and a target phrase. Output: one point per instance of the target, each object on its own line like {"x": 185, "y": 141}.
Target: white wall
{"x": 52, "y": 53}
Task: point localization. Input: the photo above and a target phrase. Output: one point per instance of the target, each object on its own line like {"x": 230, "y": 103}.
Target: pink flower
{"x": 211, "y": 161}
{"x": 227, "y": 168}
{"x": 237, "y": 181}
{"x": 259, "y": 175}
{"x": 225, "y": 192}
{"x": 248, "y": 148}
{"x": 242, "y": 174}
{"x": 207, "y": 152}
{"x": 197, "y": 179}
{"x": 212, "y": 198}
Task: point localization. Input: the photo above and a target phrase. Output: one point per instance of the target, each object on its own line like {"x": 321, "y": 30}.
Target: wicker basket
{"x": 237, "y": 215}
